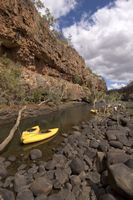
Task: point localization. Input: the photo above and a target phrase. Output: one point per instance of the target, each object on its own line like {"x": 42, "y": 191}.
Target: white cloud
{"x": 116, "y": 85}
{"x": 105, "y": 40}
{"x": 59, "y": 8}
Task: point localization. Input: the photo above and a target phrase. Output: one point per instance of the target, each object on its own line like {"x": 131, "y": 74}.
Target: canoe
{"x": 39, "y": 136}
{"x": 94, "y": 111}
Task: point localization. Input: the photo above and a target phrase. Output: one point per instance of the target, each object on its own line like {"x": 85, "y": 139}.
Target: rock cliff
{"x": 26, "y": 38}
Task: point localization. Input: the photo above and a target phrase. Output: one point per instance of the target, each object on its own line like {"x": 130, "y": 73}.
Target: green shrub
{"x": 13, "y": 91}
{"x": 77, "y": 79}
{"x": 10, "y": 81}
{"x": 36, "y": 95}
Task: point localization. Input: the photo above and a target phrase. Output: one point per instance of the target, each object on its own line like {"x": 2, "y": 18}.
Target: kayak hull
{"x": 39, "y": 136}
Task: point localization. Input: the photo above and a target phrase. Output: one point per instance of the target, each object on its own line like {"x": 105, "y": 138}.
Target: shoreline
{"x": 10, "y": 112}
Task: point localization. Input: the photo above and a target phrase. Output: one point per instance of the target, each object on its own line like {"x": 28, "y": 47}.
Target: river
{"x": 64, "y": 119}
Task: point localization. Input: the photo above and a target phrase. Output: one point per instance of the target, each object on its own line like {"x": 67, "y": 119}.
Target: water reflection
{"x": 64, "y": 119}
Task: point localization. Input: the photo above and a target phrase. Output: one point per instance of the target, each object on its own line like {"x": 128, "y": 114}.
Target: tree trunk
{"x": 12, "y": 131}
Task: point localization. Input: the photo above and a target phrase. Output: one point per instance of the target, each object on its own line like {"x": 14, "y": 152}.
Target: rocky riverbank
{"x": 94, "y": 162}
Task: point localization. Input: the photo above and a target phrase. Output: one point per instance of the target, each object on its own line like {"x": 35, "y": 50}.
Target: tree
{"x": 69, "y": 39}
{"x": 47, "y": 16}
{"x": 38, "y": 4}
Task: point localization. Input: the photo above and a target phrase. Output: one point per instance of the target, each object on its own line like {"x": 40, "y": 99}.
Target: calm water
{"x": 64, "y": 119}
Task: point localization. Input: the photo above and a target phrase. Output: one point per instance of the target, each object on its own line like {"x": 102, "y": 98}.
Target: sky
{"x": 102, "y": 32}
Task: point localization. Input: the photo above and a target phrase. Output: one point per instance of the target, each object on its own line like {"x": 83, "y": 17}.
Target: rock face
{"x": 26, "y": 38}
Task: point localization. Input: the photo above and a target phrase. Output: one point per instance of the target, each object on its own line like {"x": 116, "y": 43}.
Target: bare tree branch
{"x": 12, "y": 131}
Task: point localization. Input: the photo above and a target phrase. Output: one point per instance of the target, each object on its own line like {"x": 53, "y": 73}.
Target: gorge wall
{"x": 25, "y": 38}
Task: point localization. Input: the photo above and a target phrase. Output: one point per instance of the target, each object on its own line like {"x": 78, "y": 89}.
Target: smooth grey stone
{"x": 41, "y": 185}
{"x": 121, "y": 179}
{"x": 77, "y": 166}
{"x": 6, "y": 194}
{"x": 117, "y": 156}
{"x": 116, "y": 144}
{"x": 19, "y": 182}
{"x": 35, "y": 154}
{"x": 3, "y": 171}
{"x": 25, "y": 195}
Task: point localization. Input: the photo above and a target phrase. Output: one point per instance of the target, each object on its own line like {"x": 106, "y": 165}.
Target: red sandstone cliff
{"x": 26, "y": 39}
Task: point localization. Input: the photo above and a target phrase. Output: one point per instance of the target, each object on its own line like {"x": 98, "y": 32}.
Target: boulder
{"x": 8, "y": 182}
{"x": 116, "y": 144}
{"x": 76, "y": 134}
{"x": 88, "y": 161}
{"x": 104, "y": 178}
{"x": 94, "y": 144}
{"x": 111, "y": 135}
{"x": 117, "y": 156}
{"x": 100, "y": 162}
{"x": 62, "y": 195}
{"x": 25, "y": 194}
{"x": 51, "y": 164}
{"x": 19, "y": 182}
{"x": 103, "y": 146}
{"x": 41, "y": 197}
{"x": 77, "y": 166}
{"x": 121, "y": 179}
{"x": 123, "y": 121}
{"x": 6, "y": 194}
{"x": 108, "y": 197}
{"x": 41, "y": 185}
{"x": 22, "y": 167}
{"x": 7, "y": 163}
{"x": 61, "y": 175}
{"x": 94, "y": 177}
{"x": 85, "y": 193}
{"x": 91, "y": 153}
{"x": 130, "y": 126}
{"x": 129, "y": 163}
{"x": 111, "y": 123}
{"x": 3, "y": 171}
{"x": 35, "y": 154}
{"x": 33, "y": 169}
{"x": 12, "y": 158}
{"x": 76, "y": 128}
{"x": 75, "y": 180}
{"x": 2, "y": 159}
{"x": 122, "y": 137}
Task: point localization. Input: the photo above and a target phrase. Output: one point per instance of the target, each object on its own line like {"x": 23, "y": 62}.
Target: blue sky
{"x": 102, "y": 33}
{"x": 83, "y": 6}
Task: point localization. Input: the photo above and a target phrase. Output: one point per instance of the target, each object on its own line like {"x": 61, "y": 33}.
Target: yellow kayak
{"x": 30, "y": 132}
{"x": 94, "y": 111}
{"x": 39, "y": 136}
